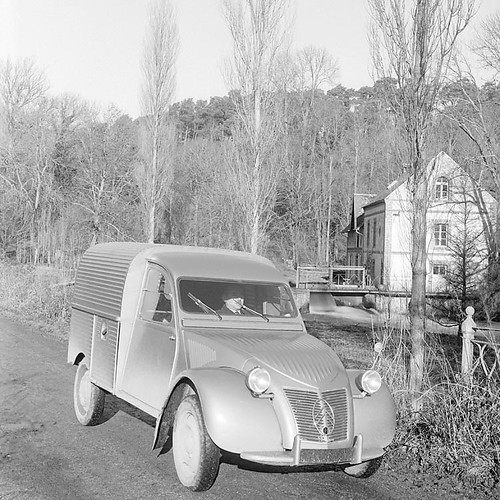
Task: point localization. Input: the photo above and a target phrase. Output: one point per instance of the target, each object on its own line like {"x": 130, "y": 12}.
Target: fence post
{"x": 468, "y": 326}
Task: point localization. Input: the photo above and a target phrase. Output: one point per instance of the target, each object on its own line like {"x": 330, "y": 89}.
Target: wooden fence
{"x": 480, "y": 348}
{"x": 330, "y": 277}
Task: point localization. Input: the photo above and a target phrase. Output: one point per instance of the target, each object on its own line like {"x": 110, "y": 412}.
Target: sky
{"x": 93, "y": 48}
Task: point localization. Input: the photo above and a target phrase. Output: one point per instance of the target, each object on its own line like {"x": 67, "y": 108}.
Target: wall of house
{"x": 374, "y": 242}
{"x": 354, "y": 248}
{"x": 449, "y": 211}
{"x": 387, "y": 224}
{"x": 462, "y": 217}
{"x": 398, "y": 256}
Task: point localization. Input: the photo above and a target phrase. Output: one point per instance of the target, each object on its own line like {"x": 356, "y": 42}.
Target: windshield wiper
{"x": 203, "y": 306}
{"x": 245, "y": 308}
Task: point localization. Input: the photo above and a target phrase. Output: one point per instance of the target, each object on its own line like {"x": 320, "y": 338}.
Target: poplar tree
{"x": 413, "y": 41}
{"x": 157, "y": 138}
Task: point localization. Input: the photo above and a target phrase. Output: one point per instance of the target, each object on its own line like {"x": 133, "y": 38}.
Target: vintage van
{"x": 210, "y": 343}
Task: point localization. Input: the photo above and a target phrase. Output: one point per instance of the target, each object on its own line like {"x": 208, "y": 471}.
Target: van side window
{"x": 157, "y": 298}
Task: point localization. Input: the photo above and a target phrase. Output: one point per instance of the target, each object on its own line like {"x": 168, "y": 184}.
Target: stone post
{"x": 468, "y": 327}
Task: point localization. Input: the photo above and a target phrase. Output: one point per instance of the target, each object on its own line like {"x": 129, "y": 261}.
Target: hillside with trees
{"x": 71, "y": 174}
{"x": 269, "y": 168}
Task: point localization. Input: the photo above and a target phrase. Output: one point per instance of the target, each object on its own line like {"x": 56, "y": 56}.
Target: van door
{"x": 150, "y": 358}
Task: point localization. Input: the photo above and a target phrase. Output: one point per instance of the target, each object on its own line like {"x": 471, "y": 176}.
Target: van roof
{"x": 103, "y": 269}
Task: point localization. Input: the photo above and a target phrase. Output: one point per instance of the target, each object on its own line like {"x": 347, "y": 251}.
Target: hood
{"x": 295, "y": 355}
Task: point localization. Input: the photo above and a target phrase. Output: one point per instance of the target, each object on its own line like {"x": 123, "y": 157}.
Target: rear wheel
{"x": 365, "y": 469}
{"x": 88, "y": 399}
{"x": 196, "y": 457}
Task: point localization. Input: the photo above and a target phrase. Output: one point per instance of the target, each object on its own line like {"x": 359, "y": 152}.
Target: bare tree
{"x": 257, "y": 29}
{"x": 487, "y": 43}
{"x": 413, "y": 41}
{"x": 307, "y": 184}
{"x": 21, "y": 84}
{"x": 474, "y": 112}
{"x": 104, "y": 175}
{"x": 25, "y": 154}
{"x": 160, "y": 53}
{"x": 317, "y": 67}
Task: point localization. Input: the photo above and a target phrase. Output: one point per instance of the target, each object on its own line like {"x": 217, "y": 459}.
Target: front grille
{"x": 313, "y": 414}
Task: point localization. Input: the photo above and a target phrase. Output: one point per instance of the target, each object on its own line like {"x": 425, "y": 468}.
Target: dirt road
{"x": 46, "y": 454}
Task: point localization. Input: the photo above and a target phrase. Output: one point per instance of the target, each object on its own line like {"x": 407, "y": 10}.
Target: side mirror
{"x": 161, "y": 285}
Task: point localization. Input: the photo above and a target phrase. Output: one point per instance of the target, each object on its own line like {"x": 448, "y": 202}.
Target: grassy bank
{"x": 454, "y": 439}
{"x": 37, "y": 295}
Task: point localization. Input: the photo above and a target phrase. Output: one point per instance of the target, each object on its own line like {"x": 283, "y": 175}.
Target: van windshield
{"x": 230, "y": 298}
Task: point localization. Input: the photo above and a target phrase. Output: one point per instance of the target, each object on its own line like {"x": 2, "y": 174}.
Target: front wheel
{"x": 196, "y": 457}
{"x": 365, "y": 469}
{"x": 88, "y": 399}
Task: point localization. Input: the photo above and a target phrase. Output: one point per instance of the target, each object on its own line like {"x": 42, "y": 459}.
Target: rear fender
{"x": 374, "y": 418}
{"x": 235, "y": 420}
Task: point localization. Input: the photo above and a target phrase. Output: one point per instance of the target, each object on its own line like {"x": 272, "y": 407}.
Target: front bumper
{"x": 307, "y": 456}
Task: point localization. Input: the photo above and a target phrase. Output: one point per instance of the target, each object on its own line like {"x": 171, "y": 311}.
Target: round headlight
{"x": 369, "y": 382}
{"x": 258, "y": 380}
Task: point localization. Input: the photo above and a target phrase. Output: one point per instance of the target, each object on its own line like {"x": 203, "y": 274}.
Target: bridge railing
{"x": 479, "y": 354}
{"x": 330, "y": 277}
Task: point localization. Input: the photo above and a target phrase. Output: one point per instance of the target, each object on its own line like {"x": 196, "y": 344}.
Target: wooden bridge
{"x": 326, "y": 286}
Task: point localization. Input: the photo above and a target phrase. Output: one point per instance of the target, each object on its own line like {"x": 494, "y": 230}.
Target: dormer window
{"x": 442, "y": 185}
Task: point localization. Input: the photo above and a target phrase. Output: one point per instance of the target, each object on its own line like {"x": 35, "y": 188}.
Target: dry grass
{"x": 455, "y": 434}
{"x": 36, "y": 295}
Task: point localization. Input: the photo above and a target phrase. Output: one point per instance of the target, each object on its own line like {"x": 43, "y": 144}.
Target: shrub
{"x": 458, "y": 432}
{"x": 455, "y": 433}
{"x": 37, "y": 294}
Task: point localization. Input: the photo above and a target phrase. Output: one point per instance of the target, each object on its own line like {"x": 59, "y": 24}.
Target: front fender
{"x": 374, "y": 418}
{"x": 235, "y": 420}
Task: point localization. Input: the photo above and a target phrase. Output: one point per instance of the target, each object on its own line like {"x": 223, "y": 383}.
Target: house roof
{"x": 358, "y": 202}
{"x": 384, "y": 194}
{"x": 438, "y": 159}
{"x": 362, "y": 201}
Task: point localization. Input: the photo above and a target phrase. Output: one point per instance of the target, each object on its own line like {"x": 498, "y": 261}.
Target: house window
{"x": 368, "y": 235}
{"x": 439, "y": 269}
{"x": 442, "y": 185}
{"x": 441, "y": 235}
{"x": 374, "y": 233}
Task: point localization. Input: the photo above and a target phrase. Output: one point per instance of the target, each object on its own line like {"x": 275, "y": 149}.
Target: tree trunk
{"x": 418, "y": 291}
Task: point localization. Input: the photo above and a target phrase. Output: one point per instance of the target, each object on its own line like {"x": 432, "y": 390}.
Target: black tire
{"x": 88, "y": 399}
{"x": 196, "y": 457}
{"x": 364, "y": 469}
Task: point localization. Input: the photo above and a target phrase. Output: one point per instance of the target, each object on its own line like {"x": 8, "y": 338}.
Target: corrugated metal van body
{"x": 101, "y": 276}
{"x": 98, "y": 296}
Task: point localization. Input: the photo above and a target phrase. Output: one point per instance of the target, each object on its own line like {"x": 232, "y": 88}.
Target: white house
{"x": 379, "y": 233}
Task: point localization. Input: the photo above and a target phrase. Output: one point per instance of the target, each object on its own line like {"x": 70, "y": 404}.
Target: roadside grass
{"x": 455, "y": 436}
{"x": 39, "y": 296}
{"x": 352, "y": 342}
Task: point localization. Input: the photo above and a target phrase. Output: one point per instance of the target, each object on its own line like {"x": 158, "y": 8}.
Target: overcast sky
{"x": 93, "y": 48}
